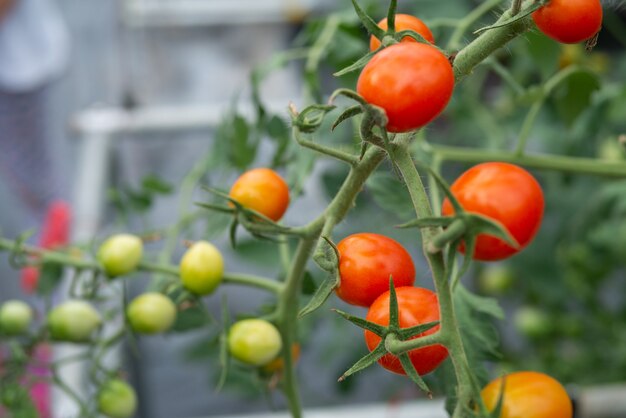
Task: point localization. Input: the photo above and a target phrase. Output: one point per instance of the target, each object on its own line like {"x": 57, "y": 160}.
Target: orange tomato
{"x": 528, "y": 395}
{"x": 262, "y": 190}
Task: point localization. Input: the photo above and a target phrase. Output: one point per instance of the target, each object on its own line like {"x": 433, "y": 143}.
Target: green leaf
{"x": 191, "y": 318}
{"x": 362, "y": 323}
{"x": 321, "y": 295}
{"x": 154, "y": 184}
{"x": 50, "y": 277}
{"x": 366, "y": 361}
{"x": 17, "y": 401}
{"x": 544, "y": 52}
{"x": 575, "y": 94}
{"x": 390, "y": 194}
{"x": 308, "y": 284}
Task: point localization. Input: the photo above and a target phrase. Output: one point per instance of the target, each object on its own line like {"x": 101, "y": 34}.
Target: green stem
{"x": 487, "y": 43}
{"x": 560, "y": 163}
{"x": 465, "y": 23}
{"x": 450, "y": 234}
{"x": 449, "y": 333}
{"x": 316, "y": 53}
{"x": 527, "y": 126}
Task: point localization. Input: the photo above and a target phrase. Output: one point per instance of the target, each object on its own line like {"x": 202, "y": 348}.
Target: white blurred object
{"x": 216, "y": 12}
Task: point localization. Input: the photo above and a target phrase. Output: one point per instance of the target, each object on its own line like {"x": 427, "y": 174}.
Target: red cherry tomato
{"x": 366, "y": 261}
{"x": 569, "y": 21}
{"x": 411, "y": 81}
{"x": 505, "y": 193}
{"x": 404, "y": 22}
{"x": 263, "y": 190}
{"x": 528, "y": 395}
{"x": 415, "y": 306}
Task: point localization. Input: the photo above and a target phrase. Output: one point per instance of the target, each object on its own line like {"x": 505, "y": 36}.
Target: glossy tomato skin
{"x": 569, "y": 21}
{"x": 366, "y": 261}
{"x": 505, "y": 193}
{"x": 202, "y": 268}
{"x": 254, "y": 341}
{"x": 528, "y": 395}
{"x": 263, "y": 190}
{"x": 415, "y": 306}
{"x": 412, "y": 82}
{"x": 404, "y": 22}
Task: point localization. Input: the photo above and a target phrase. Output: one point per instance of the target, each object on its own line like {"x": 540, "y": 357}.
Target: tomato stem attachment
{"x": 455, "y": 231}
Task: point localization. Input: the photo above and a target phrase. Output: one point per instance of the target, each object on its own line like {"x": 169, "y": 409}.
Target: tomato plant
{"x": 505, "y": 193}
{"x": 254, "y": 341}
{"x": 262, "y": 190}
{"x": 15, "y": 317}
{"x": 151, "y": 313}
{"x": 411, "y": 81}
{"x": 404, "y": 22}
{"x": 201, "y": 268}
{"x": 117, "y": 399}
{"x": 528, "y": 395}
{"x": 569, "y": 21}
{"x": 120, "y": 254}
{"x": 366, "y": 261}
{"x": 416, "y": 306}
{"x": 74, "y": 321}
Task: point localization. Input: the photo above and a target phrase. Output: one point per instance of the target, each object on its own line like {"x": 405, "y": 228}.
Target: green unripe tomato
{"x": 120, "y": 254}
{"x": 533, "y": 322}
{"x": 15, "y": 317}
{"x": 202, "y": 268}
{"x": 73, "y": 321}
{"x": 254, "y": 341}
{"x": 117, "y": 399}
{"x": 496, "y": 280}
{"x": 151, "y": 313}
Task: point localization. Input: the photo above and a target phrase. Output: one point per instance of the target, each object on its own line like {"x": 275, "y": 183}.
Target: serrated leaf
{"x": 364, "y": 324}
{"x": 49, "y": 279}
{"x": 366, "y": 361}
{"x": 321, "y": 295}
{"x": 390, "y": 194}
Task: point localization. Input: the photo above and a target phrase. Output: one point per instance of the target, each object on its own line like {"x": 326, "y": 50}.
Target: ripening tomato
{"x": 416, "y": 306}
{"x": 505, "y": 193}
{"x": 404, "y": 22}
{"x": 366, "y": 261}
{"x": 151, "y": 313}
{"x": 117, "y": 399}
{"x": 254, "y": 341}
{"x": 278, "y": 364}
{"x": 411, "y": 81}
{"x": 73, "y": 321}
{"x": 262, "y": 190}
{"x": 120, "y": 254}
{"x": 528, "y": 395}
{"x": 202, "y": 268}
{"x": 15, "y": 317}
{"x": 569, "y": 21}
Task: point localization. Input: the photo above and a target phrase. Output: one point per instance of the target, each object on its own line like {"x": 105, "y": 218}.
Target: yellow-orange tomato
{"x": 404, "y": 22}
{"x": 278, "y": 363}
{"x": 528, "y": 395}
{"x": 262, "y": 190}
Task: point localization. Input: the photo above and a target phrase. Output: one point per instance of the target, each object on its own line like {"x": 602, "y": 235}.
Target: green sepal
{"x": 347, "y": 114}
{"x": 215, "y": 207}
{"x": 412, "y": 373}
{"x": 394, "y": 320}
{"x": 371, "y": 26}
{"x": 327, "y": 256}
{"x": 364, "y": 324}
{"x": 513, "y": 19}
{"x": 321, "y": 295}
{"x": 391, "y": 17}
{"x": 439, "y": 221}
{"x": 407, "y": 333}
{"x": 365, "y": 361}
{"x": 358, "y": 64}
{"x": 481, "y": 224}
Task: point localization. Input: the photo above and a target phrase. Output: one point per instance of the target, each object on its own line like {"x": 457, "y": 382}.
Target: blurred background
{"x": 108, "y": 106}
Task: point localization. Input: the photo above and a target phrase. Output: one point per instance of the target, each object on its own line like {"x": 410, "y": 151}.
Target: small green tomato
{"x": 15, "y": 317}
{"x": 73, "y": 321}
{"x": 533, "y": 322}
{"x": 254, "y": 341}
{"x": 120, "y": 254}
{"x": 117, "y": 399}
{"x": 201, "y": 268}
{"x": 151, "y": 313}
{"x": 496, "y": 280}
